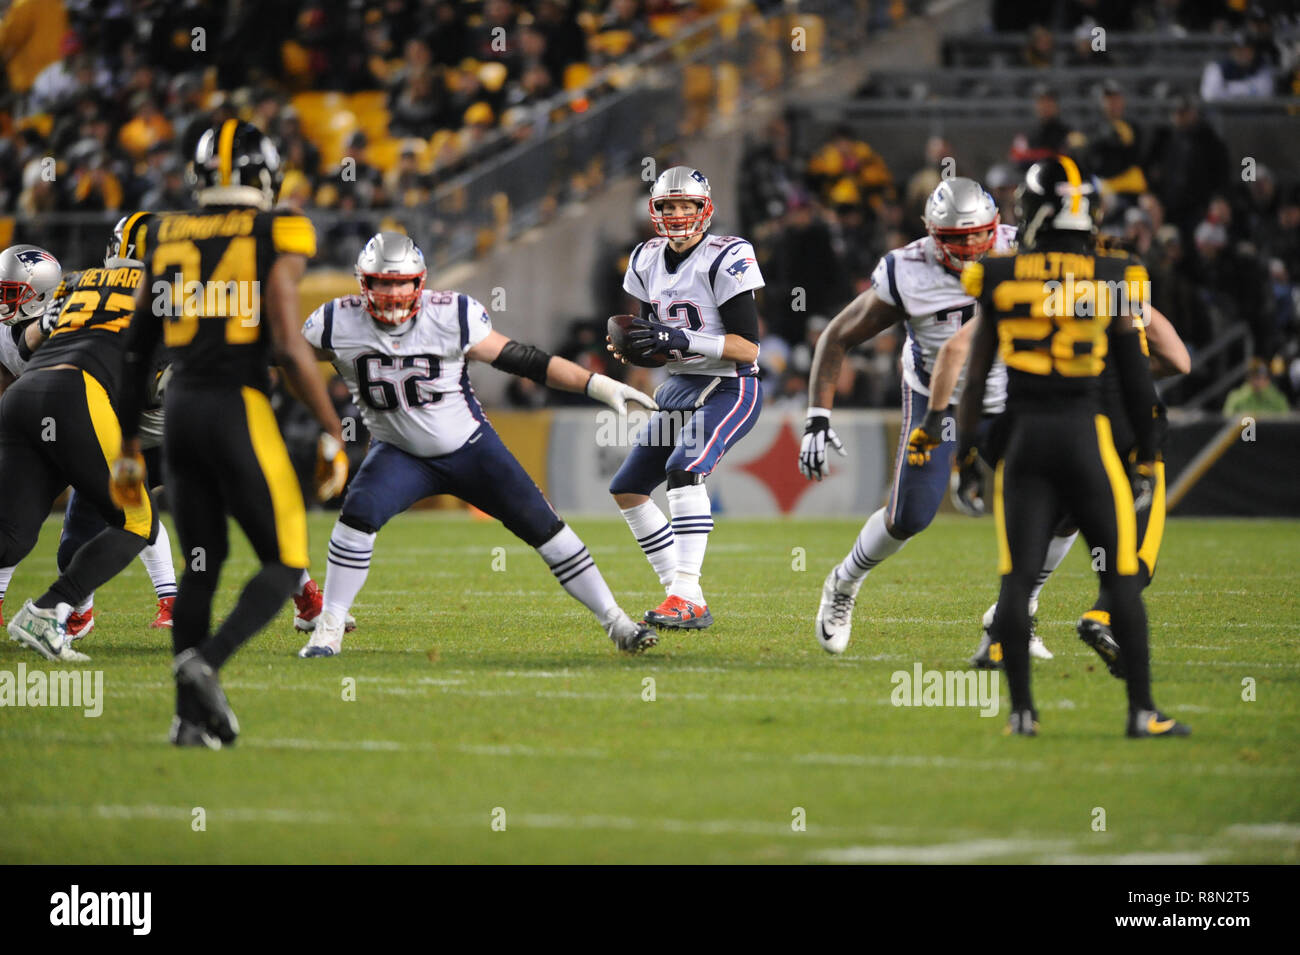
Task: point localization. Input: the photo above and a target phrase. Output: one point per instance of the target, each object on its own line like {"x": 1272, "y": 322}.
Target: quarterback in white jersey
{"x": 918, "y": 285}
{"x": 697, "y": 312}
{"x": 404, "y": 352}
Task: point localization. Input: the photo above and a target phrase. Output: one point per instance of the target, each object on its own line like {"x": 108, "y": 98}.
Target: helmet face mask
{"x": 29, "y": 277}
{"x": 389, "y": 259}
{"x": 681, "y": 183}
{"x": 958, "y": 209}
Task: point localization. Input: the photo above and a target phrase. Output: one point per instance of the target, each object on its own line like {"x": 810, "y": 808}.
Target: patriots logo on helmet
{"x": 739, "y": 268}
{"x": 34, "y": 256}
{"x": 699, "y": 177}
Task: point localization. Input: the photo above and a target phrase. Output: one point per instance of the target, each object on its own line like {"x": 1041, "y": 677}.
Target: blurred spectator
{"x": 1258, "y": 395}
{"x": 768, "y": 179}
{"x": 296, "y": 150}
{"x": 1048, "y": 137}
{"x": 804, "y": 276}
{"x": 1174, "y": 293}
{"x": 1187, "y": 165}
{"x": 1242, "y": 74}
{"x": 31, "y": 38}
{"x": 1001, "y": 180}
{"x": 1114, "y": 147}
{"x": 1039, "y": 49}
{"x": 847, "y": 170}
{"x": 147, "y": 128}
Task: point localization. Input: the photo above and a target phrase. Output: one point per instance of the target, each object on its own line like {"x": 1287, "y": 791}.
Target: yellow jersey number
{"x": 83, "y": 303}
{"x": 230, "y": 293}
{"x": 1057, "y": 335}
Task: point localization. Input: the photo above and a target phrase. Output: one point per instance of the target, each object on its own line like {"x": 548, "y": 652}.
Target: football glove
{"x": 50, "y": 318}
{"x": 655, "y": 338}
{"x": 126, "y": 482}
{"x": 331, "y": 467}
{"x": 968, "y": 485}
{"x": 1144, "y": 485}
{"x": 924, "y": 438}
{"x": 616, "y": 394}
{"x": 817, "y": 433}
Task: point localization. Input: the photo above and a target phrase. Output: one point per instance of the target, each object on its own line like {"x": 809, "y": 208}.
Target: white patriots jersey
{"x": 10, "y": 355}
{"x": 913, "y": 279}
{"x": 411, "y": 384}
{"x": 715, "y": 270}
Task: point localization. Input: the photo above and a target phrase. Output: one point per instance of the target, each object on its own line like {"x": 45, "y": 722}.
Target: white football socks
{"x": 567, "y": 556}
{"x": 873, "y": 545}
{"x": 1056, "y": 551}
{"x": 655, "y": 535}
{"x": 692, "y": 522}
{"x": 303, "y": 581}
{"x": 157, "y": 560}
{"x": 350, "y": 551}
{"x": 6, "y": 575}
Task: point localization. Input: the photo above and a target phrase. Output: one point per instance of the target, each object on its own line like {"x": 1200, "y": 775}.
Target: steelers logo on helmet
{"x": 29, "y": 277}
{"x": 684, "y": 183}
{"x": 235, "y": 164}
{"x": 391, "y": 271}
{"x": 1057, "y": 197}
{"x": 962, "y": 219}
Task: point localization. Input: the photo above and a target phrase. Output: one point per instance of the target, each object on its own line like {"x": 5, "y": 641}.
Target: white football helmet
{"x": 681, "y": 182}
{"x": 391, "y": 256}
{"x": 29, "y": 277}
{"x": 959, "y": 207}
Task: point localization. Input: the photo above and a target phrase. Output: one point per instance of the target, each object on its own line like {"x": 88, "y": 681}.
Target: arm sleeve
{"x": 648, "y": 311}
{"x": 293, "y": 235}
{"x": 740, "y": 317}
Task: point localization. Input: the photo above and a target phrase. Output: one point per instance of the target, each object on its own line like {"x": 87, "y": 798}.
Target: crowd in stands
{"x": 372, "y": 103}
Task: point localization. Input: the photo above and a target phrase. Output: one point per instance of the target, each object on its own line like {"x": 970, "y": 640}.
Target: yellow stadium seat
{"x": 664, "y": 24}
{"x": 384, "y": 153}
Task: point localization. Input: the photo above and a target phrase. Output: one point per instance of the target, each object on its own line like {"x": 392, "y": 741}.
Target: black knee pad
{"x": 358, "y": 524}
{"x": 683, "y": 479}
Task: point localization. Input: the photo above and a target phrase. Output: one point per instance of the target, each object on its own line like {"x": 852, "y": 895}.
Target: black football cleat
{"x": 1144, "y": 723}
{"x": 193, "y": 671}
{"x": 1096, "y": 633}
{"x": 184, "y": 733}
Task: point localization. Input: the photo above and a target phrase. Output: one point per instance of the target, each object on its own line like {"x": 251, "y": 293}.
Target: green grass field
{"x": 483, "y": 694}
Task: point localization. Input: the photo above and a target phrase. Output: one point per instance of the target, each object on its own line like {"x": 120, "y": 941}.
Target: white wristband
{"x": 710, "y": 346}
{"x": 818, "y": 413}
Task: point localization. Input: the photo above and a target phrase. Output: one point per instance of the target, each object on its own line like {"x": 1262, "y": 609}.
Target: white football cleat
{"x": 326, "y": 637}
{"x": 1037, "y": 649}
{"x": 44, "y": 631}
{"x": 835, "y": 615}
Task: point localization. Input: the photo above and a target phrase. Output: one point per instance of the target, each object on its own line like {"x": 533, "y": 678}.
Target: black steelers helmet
{"x": 1057, "y": 198}
{"x": 235, "y": 164}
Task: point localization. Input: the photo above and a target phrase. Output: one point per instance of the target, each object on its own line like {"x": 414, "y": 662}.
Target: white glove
{"x": 50, "y": 318}
{"x": 817, "y": 433}
{"x": 616, "y": 394}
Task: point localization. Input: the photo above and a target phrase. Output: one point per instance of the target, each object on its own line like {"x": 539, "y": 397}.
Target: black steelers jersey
{"x": 97, "y": 305}
{"x": 1055, "y": 319}
{"x": 206, "y": 271}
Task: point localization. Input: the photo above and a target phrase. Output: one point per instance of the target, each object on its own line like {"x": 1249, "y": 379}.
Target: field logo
{"x": 920, "y": 687}
{"x": 103, "y": 908}
{"x": 80, "y": 688}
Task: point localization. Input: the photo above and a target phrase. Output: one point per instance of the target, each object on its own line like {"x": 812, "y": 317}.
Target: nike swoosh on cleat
{"x": 1155, "y": 727}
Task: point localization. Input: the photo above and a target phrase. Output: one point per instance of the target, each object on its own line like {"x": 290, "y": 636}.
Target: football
{"x": 617, "y": 328}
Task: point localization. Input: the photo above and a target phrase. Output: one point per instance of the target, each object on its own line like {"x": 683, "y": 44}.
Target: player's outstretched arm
{"x": 1169, "y": 355}
{"x": 297, "y": 360}
{"x": 528, "y": 361}
{"x": 861, "y": 320}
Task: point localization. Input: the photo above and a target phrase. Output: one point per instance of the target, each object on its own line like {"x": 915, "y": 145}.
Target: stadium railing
{"x": 1002, "y": 49}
